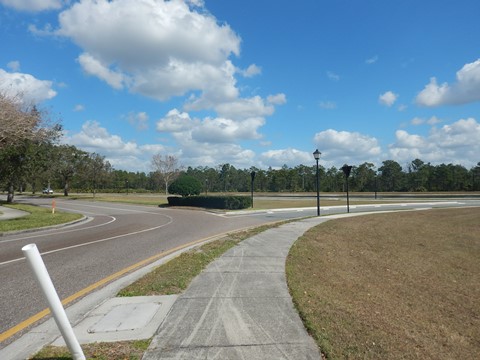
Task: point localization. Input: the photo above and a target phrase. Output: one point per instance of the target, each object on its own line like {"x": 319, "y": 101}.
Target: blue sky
{"x": 252, "y": 82}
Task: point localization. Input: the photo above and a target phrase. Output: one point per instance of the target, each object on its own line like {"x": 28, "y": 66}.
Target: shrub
{"x": 185, "y": 186}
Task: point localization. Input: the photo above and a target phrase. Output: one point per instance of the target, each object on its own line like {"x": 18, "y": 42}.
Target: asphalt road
{"x": 116, "y": 236}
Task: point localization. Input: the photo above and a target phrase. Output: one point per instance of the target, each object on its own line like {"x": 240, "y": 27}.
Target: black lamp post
{"x": 316, "y": 155}
{"x": 346, "y": 170}
{"x": 252, "y": 174}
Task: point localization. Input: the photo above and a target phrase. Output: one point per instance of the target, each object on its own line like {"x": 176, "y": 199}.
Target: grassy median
{"x": 38, "y": 217}
{"x": 391, "y": 286}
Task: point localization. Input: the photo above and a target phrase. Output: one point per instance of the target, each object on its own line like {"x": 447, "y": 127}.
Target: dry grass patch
{"x": 121, "y": 350}
{"x": 391, "y": 286}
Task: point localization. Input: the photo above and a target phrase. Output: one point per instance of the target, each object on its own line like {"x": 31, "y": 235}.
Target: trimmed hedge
{"x": 212, "y": 202}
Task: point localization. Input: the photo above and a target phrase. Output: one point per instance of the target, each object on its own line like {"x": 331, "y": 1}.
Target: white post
{"x": 41, "y": 274}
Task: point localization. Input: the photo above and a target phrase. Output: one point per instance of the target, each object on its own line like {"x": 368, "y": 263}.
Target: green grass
{"x": 38, "y": 217}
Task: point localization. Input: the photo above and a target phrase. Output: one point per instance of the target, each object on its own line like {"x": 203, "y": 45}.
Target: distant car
{"x": 47, "y": 191}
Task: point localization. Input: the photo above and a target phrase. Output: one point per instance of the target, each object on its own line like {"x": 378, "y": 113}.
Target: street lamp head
{"x": 346, "y": 170}
{"x": 316, "y": 154}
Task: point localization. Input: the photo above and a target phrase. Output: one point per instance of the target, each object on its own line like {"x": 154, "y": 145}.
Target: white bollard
{"x": 41, "y": 274}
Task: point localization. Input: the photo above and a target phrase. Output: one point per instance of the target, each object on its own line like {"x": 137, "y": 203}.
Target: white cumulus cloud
{"x": 163, "y": 49}
{"x": 220, "y": 130}
{"x": 94, "y": 137}
{"x": 466, "y": 89}
{"x": 176, "y": 122}
{"x": 156, "y": 48}
{"x": 420, "y": 121}
{"x": 406, "y": 140}
{"x": 278, "y": 99}
{"x": 245, "y": 108}
{"x": 289, "y": 157}
{"x": 30, "y": 89}
{"x": 209, "y": 130}
{"x": 453, "y": 143}
{"x": 388, "y": 98}
{"x": 93, "y": 66}
{"x": 211, "y": 141}
{"x": 251, "y": 71}
{"x": 33, "y": 5}
{"x": 121, "y": 154}
{"x": 346, "y": 147}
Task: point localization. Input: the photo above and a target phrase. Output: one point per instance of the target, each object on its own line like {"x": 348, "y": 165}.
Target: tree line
{"x": 67, "y": 168}
{"x": 31, "y": 159}
{"x": 389, "y": 177}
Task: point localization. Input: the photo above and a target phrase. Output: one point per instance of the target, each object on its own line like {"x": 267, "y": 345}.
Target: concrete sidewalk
{"x": 240, "y": 307}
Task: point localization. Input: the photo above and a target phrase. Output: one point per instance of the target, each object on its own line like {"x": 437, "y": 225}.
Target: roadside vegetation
{"x": 391, "y": 286}
{"x": 124, "y": 350}
{"x": 38, "y": 217}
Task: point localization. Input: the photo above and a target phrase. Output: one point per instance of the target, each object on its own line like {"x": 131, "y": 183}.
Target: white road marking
{"x": 95, "y": 241}
{"x": 118, "y": 209}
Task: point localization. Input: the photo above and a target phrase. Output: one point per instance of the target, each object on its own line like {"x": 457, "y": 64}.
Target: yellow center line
{"x": 31, "y": 320}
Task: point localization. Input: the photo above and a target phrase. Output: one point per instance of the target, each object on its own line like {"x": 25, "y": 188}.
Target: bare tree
{"x": 20, "y": 122}
{"x": 21, "y": 126}
{"x": 166, "y": 167}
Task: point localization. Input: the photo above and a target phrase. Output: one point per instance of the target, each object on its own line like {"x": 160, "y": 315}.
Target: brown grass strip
{"x": 121, "y": 350}
{"x": 391, "y": 286}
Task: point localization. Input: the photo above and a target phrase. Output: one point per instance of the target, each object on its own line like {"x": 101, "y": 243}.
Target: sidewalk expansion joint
{"x": 193, "y": 347}
{"x": 243, "y": 272}
{"x": 232, "y": 297}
